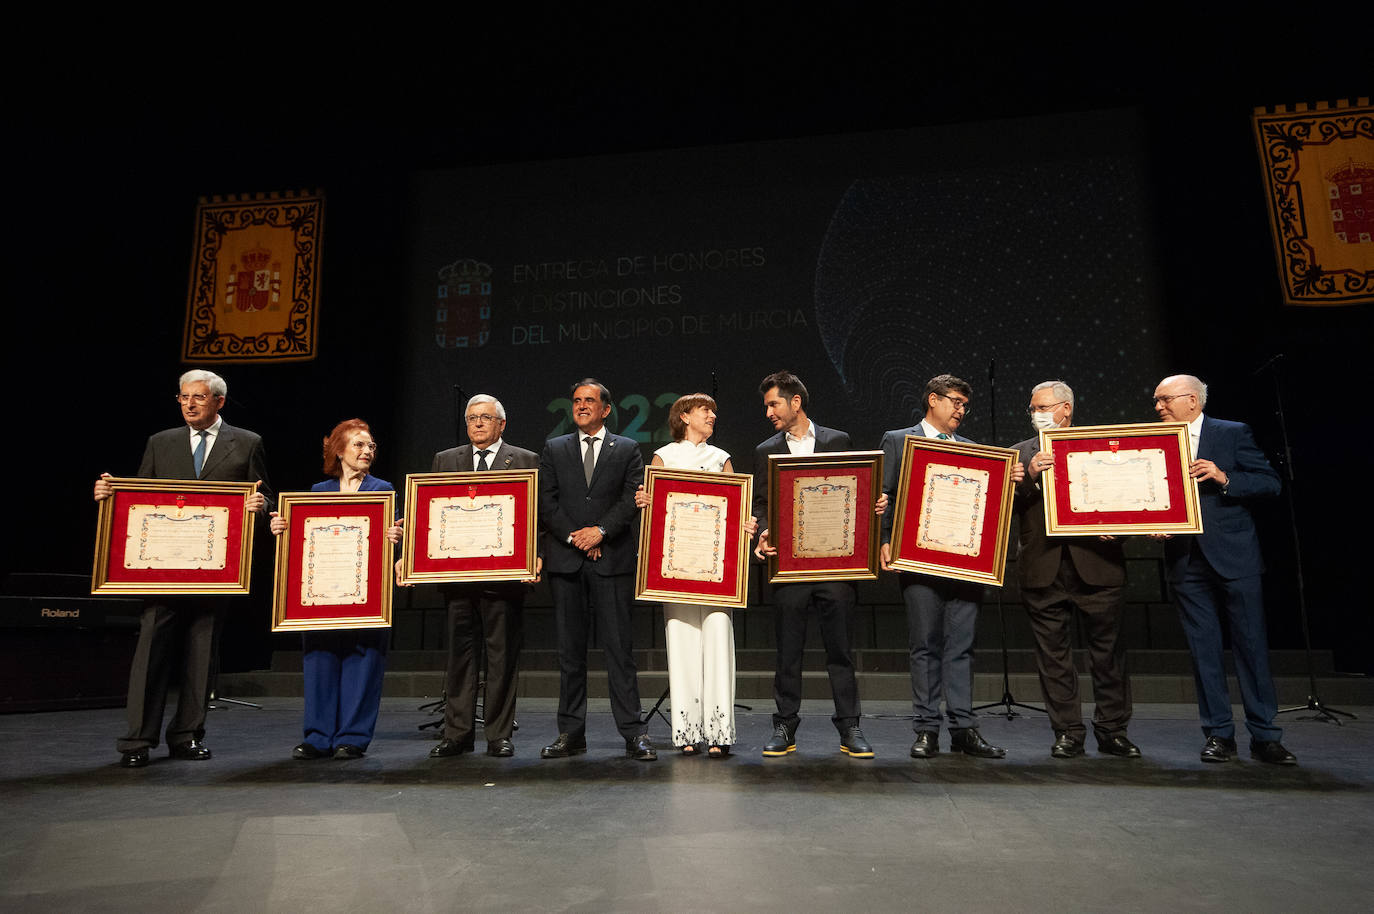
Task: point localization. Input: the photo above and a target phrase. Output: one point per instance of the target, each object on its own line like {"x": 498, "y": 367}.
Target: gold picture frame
{"x": 724, "y": 499}
{"x": 948, "y": 478}
{"x": 1172, "y": 508}
{"x": 173, "y": 536}
{"x": 854, "y": 549}
{"x": 361, "y": 518}
{"x": 514, "y": 559}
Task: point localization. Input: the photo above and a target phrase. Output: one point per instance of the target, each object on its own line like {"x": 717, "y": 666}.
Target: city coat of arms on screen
{"x": 462, "y": 305}
{"x": 255, "y": 279}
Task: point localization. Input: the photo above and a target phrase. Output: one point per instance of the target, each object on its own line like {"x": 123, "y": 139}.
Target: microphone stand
{"x": 1007, "y": 701}
{"x": 1321, "y": 712}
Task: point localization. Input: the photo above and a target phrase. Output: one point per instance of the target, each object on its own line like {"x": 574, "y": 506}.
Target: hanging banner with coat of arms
{"x": 255, "y": 279}
{"x": 1319, "y": 184}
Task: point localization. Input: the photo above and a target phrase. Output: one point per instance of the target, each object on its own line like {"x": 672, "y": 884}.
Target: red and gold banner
{"x": 255, "y": 279}
{"x": 1319, "y": 184}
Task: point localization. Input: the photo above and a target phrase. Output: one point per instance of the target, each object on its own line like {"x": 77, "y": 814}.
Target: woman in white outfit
{"x": 700, "y": 638}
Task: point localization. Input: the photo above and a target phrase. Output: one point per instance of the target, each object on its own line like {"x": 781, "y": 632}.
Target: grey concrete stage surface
{"x": 252, "y": 830}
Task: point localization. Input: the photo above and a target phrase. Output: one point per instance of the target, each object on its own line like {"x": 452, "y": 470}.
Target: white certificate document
{"x": 954, "y": 502}
{"x": 176, "y": 537}
{"x": 694, "y": 537}
{"x": 471, "y": 527}
{"x": 823, "y": 516}
{"x": 334, "y": 561}
{"x": 1133, "y": 480}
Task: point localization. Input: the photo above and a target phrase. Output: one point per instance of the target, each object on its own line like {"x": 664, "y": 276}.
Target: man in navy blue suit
{"x": 941, "y": 613}
{"x": 587, "y": 483}
{"x": 1221, "y": 569}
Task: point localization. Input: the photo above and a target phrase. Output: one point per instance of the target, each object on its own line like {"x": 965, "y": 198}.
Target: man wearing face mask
{"x": 1058, "y": 574}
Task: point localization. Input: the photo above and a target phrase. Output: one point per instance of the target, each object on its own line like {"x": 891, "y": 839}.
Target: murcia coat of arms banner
{"x": 255, "y": 279}
{"x": 1319, "y": 184}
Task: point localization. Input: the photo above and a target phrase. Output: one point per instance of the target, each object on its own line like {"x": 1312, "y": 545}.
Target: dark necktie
{"x": 482, "y": 460}
{"x": 942, "y": 436}
{"x": 199, "y": 456}
{"x": 589, "y": 459}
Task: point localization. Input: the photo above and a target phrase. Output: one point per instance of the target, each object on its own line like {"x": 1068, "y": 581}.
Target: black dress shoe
{"x": 564, "y": 746}
{"x": 927, "y": 744}
{"x": 307, "y": 751}
{"x": 134, "y": 758}
{"x": 1065, "y": 746}
{"x": 783, "y": 741}
{"x": 641, "y": 748}
{"x": 970, "y": 742}
{"x": 190, "y": 751}
{"x": 449, "y": 747}
{"x": 1272, "y": 752}
{"x": 1218, "y": 749}
{"x": 347, "y": 752}
{"x": 854, "y": 745}
{"x": 1118, "y": 746}
{"x": 501, "y": 748}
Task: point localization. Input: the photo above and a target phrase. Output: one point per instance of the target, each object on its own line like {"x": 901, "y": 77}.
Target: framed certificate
{"x": 333, "y": 561}
{"x": 692, "y": 547}
{"x": 820, "y": 516}
{"x": 1120, "y": 479}
{"x": 471, "y": 526}
{"x": 174, "y": 536}
{"x": 953, "y": 510}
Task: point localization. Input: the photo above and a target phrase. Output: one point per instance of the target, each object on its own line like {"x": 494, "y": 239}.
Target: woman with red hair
{"x": 343, "y": 669}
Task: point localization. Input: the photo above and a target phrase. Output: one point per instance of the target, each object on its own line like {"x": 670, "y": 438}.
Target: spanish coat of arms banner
{"x": 255, "y": 279}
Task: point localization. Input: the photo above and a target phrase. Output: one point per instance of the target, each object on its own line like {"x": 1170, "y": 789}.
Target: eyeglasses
{"x": 368, "y": 446}
{"x": 1032, "y": 410}
{"x": 957, "y": 402}
{"x": 193, "y": 398}
{"x": 485, "y": 417}
{"x": 1166, "y": 400}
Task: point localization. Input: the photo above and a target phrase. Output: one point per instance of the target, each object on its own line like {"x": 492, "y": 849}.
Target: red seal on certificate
{"x": 472, "y": 491}
{"x": 181, "y": 501}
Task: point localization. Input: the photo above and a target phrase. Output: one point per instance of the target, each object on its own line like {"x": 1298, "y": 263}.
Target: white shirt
{"x": 932, "y": 432}
{"x": 491, "y": 458}
{"x": 600, "y": 438}
{"x": 684, "y": 455}
{"x": 211, "y": 434}
{"x": 804, "y": 443}
{"x": 1195, "y": 433}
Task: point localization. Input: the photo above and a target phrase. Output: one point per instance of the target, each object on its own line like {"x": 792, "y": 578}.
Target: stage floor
{"x": 252, "y": 830}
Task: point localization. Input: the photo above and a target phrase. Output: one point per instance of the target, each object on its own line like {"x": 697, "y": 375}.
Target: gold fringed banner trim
{"x": 1319, "y": 184}
{"x": 255, "y": 279}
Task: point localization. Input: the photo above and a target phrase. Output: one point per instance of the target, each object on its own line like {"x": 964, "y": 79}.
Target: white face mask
{"x": 1044, "y": 420}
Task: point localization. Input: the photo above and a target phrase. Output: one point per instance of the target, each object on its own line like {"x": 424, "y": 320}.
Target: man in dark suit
{"x": 493, "y": 609}
{"x": 785, "y": 401}
{"x": 206, "y": 447}
{"x": 941, "y": 613}
{"x": 1057, "y": 574}
{"x": 587, "y": 483}
{"x": 1222, "y": 568}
